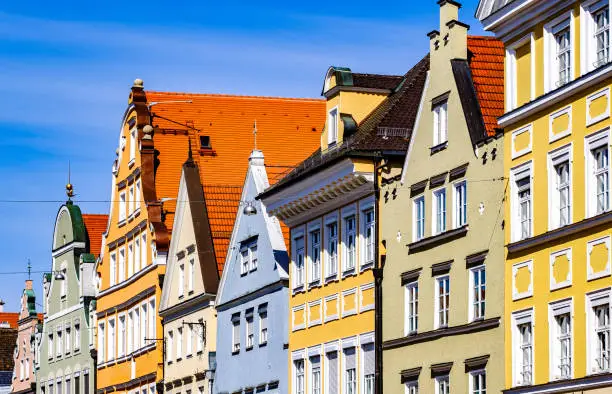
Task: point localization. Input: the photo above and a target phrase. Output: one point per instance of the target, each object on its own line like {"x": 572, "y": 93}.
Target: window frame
{"x": 409, "y": 289}
{"x": 122, "y": 206}
{"x": 556, "y": 158}
{"x": 460, "y": 205}
{"x": 588, "y": 41}
{"x": 235, "y": 320}
{"x": 593, "y": 300}
{"x": 440, "y": 128}
{"x": 298, "y": 274}
{"x": 263, "y": 329}
{"x": 418, "y": 234}
{"x": 437, "y": 323}
{"x": 314, "y": 264}
{"x": 366, "y": 207}
{"x": 349, "y": 213}
{"x": 519, "y": 318}
{"x": 559, "y": 308}
{"x": 471, "y": 295}
{"x": 333, "y": 116}
{"x": 473, "y": 375}
{"x": 439, "y": 380}
{"x": 594, "y": 142}
{"x": 329, "y": 240}
{"x": 518, "y": 173}
{"x": 562, "y": 22}
{"x": 435, "y": 225}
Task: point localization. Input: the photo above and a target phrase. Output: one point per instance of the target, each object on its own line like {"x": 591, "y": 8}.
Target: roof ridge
{"x": 480, "y": 37}
{"x": 94, "y": 214}
{"x": 379, "y": 75}
{"x": 240, "y": 96}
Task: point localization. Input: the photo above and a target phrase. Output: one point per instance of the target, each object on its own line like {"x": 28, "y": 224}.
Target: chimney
{"x": 450, "y": 42}
{"x": 1, "y": 305}
{"x": 28, "y": 284}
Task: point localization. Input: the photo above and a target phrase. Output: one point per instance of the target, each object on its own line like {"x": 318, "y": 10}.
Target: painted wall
{"x": 24, "y": 359}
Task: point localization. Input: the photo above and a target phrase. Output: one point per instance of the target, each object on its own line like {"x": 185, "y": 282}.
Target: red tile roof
{"x": 9, "y": 317}
{"x": 95, "y": 225}
{"x": 288, "y": 131}
{"x": 487, "y": 65}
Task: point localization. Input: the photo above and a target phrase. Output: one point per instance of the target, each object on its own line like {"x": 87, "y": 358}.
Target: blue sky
{"x": 66, "y": 69}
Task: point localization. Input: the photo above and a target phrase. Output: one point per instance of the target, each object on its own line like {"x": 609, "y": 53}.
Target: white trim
{"x": 315, "y": 304}
{"x": 591, "y": 142}
{"x": 522, "y": 317}
{"x": 434, "y": 210}
{"x": 361, "y": 306}
{"x": 554, "y": 137}
{"x": 348, "y": 293}
{"x": 63, "y": 313}
{"x": 294, "y": 310}
{"x": 592, "y": 300}
{"x": 349, "y": 342}
{"x": 602, "y": 93}
{"x": 550, "y": 29}
{"x": 471, "y": 271}
{"x": 515, "y": 268}
{"x": 587, "y": 29}
{"x": 367, "y": 338}
{"x": 415, "y": 129}
{"x": 526, "y": 129}
{"x": 331, "y": 346}
{"x": 314, "y": 351}
{"x": 331, "y": 298}
{"x": 516, "y": 173}
{"x": 556, "y": 157}
{"x": 511, "y": 70}
{"x": 437, "y": 323}
{"x": 298, "y": 354}
{"x": 554, "y": 309}
{"x": 590, "y": 245}
{"x": 68, "y": 247}
{"x": 568, "y": 282}
{"x": 134, "y": 277}
{"x": 337, "y": 128}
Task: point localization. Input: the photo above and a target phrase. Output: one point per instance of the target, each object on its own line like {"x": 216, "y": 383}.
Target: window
{"x": 442, "y": 385}
{"x": 460, "y": 203}
{"x": 143, "y": 250}
{"x": 298, "y": 366}
{"x": 244, "y": 256}
{"x": 181, "y": 281}
{"x": 523, "y": 347}
{"x": 170, "y": 345}
{"x": 248, "y": 253}
{"x": 560, "y": 192}
{"x": 478, "y": 282}
{"x": 350, "y": 371}
{"x": 133, "y": 144}
{"x": 440, "y": 127}
{"x": 137, "y": 195}
{"x": 68, "y": 386}
{"x": 419, "y": 218}
{"x": 315, "y": 256}
{"x": 596, "y": 21}
{"x": 349, "y": 243}
{"x": 59, "y": 387}
{"x": 478, "y": 382}
{"x": 113, "y": 269}
{"x": 122, "y": 262}
{"x": 77, "y": 337}
{"x": 368, "y": 236}
{"x": 144, "y": 324}
{"x": 179, "y": 343}
{"x": 130, "y": 333}
{"x": 263, "y": 325}
{"x": 315, "y": 375}
{"x": 137, "y": 254}
{"x": 137, "y": 343}
{"x": 122, "y": 207}
{"x": 563, "y": 346}
{"x": 439, "y": 215}
{"x": 601, "y": 315}
{"x": 60, "y": 343}
{"x": 111, "y": 339}
{"x": 191, "y": 274}
{"x": 412, "y": 307}
{"x": 68, "y": 340}
{"x": 21, "y": 370}
{"x": 152, "y": 321}
{"x": 77, "y": 385}
{"x": 332, "y": 373}
{"x": 121, "y": 339}
{"x": 86, "y": 382}
{"x": 331, "y": 248}
{"x": 27, "y": 369}
{"x": 368, "y": 368}
{"x": 332, "y": 129}
{"x": 412, "y": 387}
{"x": 298, "y": 272}
{"x": 236, "y": 333}
{"x": 101, "y": 343}
{"x": 253, "y": 255}
{"x": 563, "y": 54}
{"x": 250, "y": 335}
{"x": 601, "y": 175}
{"x": 521, "y": 203}
{"x": 602, "y": 36}
{"x": 189, "y": 344}
{"x": 442, "y": 300}
{"x": 131, "y": 200}
{"x": 200, "y": 334}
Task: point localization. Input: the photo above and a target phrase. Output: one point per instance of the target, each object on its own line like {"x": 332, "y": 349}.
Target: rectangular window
{"x": 113, "y": 269}
{"x": 191, "y": 274}
{"x": 170, "y": 345}
{"x": 50, "y": 347}
{"x": 522, "y": 343}
{"x": 563, "y": 47}
{"x": 460, "y": 203}
{"x": 122, "y": 262}
{"x": 300, "y": 384}
{"x": 111, "y": 339}
{"x": 412, "y": 387}
{"x": 122, "y": 206}
{"x": 601, "y": 37}
{"x": 179, "y": 343}
{"x": 121, "y": 339}
{"x": 368, "y": 236}
{"x": 523, "y": 187}
{"x": 181, "y": 281}
{"x": 244, "y": 260}
{"x": 478, "y": 281}
{"x": 77, "y": 385}
{"x": 189, "y": 342}
{"x": 419, "y": 218}
{"x": 601, "y": 171}
{"x": 368, "y": 368}
{"x": 200, "y": 333}
{"x": 314, "y": 256}
{"x": 59, "y": 387}
{"x": 137, "y": 342}
{"x": 253, "y": 255}
{"x": 131, "y": 200}
{"x": 130, "y": 333}
{"x": 144, "y": 324}
{"x": 263, "y": 326}
{"x": 60, "y": 343}
{"x": 68, "y": 386}
{"x": 478, "y": 382}
{"x": 563, "y": 346}
{"x": 350, "y": 371}
{"x": 235, "y": 333}
{"x": 298, "y": 258}
{"x": 331, "y": 249}
{"x": 561, "y": 196}
{"x": 86, "y": 382}
{"x": 412, "y": 307}
{"x": 136, "y": 253}
{"x": 315, "y": 375}
{"x": 443, "y": 385}
{"x": 77, "y": 337}
{"x": 349, "y": 243}
{"x": 439, "y": 215}
{"x": 250, "y": 334}
{"x": 332, "y": 373}
{"x": 133, "y": 144}
{"x": 143, "y": 250}
{"x": 137, "y": 195}
{"x": 440, "y": 116}
{"x": 442, "y": 300}
{"x": 68, "y": 340}
{"x": 602, "y": 335}
{"x": 152, "y": 321}
{"x": 332, "y": 129}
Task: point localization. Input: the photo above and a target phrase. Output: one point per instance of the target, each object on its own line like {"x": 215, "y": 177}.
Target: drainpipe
{"x": 94, "y": 355}
{"x": 378, "y": 276}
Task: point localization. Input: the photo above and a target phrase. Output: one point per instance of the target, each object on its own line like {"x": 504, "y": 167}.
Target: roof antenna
{"x": 69, "y": 188}
{"x": 255, "y": 133}
{"x": 190, "y": 157}
{"x": 29, "y": 270}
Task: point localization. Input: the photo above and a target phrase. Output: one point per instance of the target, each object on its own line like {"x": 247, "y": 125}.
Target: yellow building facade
{"x": 557, "y": 210}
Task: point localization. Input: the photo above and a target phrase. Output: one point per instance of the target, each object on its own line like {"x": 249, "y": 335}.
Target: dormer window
{"x": 205, "y": 142}
{"x": 332, "y": 126}
{"x": 440, "y": 119}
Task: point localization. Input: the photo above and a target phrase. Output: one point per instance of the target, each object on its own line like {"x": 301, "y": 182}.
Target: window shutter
{"x": 315, "y": 361}
{"x": 368, "y": 359}
{"x": 349, "y": 358}
{"x": 332, "y": 360}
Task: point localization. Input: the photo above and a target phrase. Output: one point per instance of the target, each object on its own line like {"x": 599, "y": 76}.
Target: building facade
{"x": 252, "y": 303}
{"x": 24, "y": 380}
{"x": 329, "y": 204}
{"x": 64, "y": 364}
{"x": 557, "y": 215}
{"x": 443, "y": 277}
{"x": 8, "y": 338}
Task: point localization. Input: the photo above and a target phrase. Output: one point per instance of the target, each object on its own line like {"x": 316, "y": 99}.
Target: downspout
{"x": 94, "y": 355}
{"x": 378, "y": 276}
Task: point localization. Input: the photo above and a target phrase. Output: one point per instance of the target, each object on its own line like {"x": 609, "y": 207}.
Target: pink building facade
{"x": 24, "y": 354}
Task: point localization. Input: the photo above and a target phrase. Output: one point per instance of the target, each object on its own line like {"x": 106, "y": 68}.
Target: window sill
{"x": 263, "y": 344}
{"x": 314, "y": 284}
{"x": 299, "y": 289}
{"x": 131, "y": 163}
{"x": 349, "y": 272}
{"x": 367, "y": 265}
{"x": 188, "y": 356}
{"x": 437, "y": 148}
{"x": 248, "y": 349}
{"x": 430, "y": 242}
{"x": 331, "y": 278}
{"x": 235, "y": 352}
{"x": 121, "y": 223}
{"x": 199, "y": 352}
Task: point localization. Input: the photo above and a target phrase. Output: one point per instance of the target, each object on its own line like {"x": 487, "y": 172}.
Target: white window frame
{"x": 263, "y": 325}
{"x": 589, "y": 100}
{"x": 367, "y": 245}
{"x": 472, "y": 315}
{"x": 439, "y": 227}
{"x": 112, "y": 335}
{"x": 137, "y": 254}
{"x": 179, "y": 343}
{"x": 515, "y": 268}
{"x": 442, "y": 380}
{"x": 440, "y": 125}
{"x": 331, "y": 348}
{"x": 590, "y": 245}
{"x": 122, "y": 206}
{"x": 551, "y": 70}
{"x": 311, "y": 369}
{"x": 130, "y": 201}
{"x": 526, "y": 316}
{"x": 181, "y": 281}
{"x": 593, "y": 142}
{"x": 112, "y": 280}
{"x": 121, "y": 337}
{"x": 520, "y": 172}
{"x": 553, "y": 256}
{"x": 348, "y": 214}
{"x": 418, "y": 233}
{"x": 412, "y": 387}
{"x": 333, "y": 117}
{"x": 191, "y": 274}
{"x": 511, "y": 70}
{"x": 170, "y": 348}
{"x": 552, "y": 137}
{"x": 595, "y": 299}
{"x": 476, "y": 374}
{"x": 249, "y": 330}
{"x": 555, "y": 158}
{"x": 411, "y": 305}
{"x": 137, "y": 195}
{"x": 101, "y": 341}
{"x": 588, "y": 44}
{"x": 314, "y": 262}
{"x": 460, "y": 206}
{"x": 437, "y": 295}
{"x": 556, "y": 309}
{"x": 331, "y": 261}
{"x": 298, "y": 277}
{"x": 133, "y": 140}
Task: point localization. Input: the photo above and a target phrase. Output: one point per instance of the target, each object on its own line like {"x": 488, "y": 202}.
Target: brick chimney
{"x": 1, "y": 305}
{"x": 450, "y": 42}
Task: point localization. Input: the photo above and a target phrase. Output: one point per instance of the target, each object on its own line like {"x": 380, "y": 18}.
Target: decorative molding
{"x": 430, "y": 242}
{"x": 410, "y": 276}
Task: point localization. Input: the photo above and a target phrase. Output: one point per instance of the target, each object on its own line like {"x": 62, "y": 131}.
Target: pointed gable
{"x": 253, "y": 226}
{"x": 95, "y": 226}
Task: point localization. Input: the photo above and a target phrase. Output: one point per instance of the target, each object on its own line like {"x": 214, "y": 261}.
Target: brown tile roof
{"x": 288, "y": 131}
{"x": 9, "y": 317}
{"x": 8, "y": 340}
{"x": 376, "y": 81}
{"x": 486, "y": 59}
{"x": 398, "y": 111}
{"x": 95, "y": 224}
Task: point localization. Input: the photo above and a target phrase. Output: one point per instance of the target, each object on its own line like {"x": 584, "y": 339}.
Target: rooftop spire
{"x": 255, "y": 133}
{"x": 69, "y": 188}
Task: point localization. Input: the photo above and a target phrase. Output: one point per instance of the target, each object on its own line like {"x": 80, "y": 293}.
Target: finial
{"x": 255, "y": 133}
{"x": 69, "y": 188}
{"x": 139, "y": 83}
{"x": 29, "y": 270}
